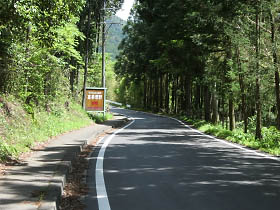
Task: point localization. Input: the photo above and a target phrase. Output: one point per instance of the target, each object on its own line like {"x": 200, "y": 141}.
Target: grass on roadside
{"x": 19, "y": 131}
{"x": 100, "y": 118}
{"x": 270, "y": 142}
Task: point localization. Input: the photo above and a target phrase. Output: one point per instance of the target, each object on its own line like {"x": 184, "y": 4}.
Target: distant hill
{"x": 114, "y": 36}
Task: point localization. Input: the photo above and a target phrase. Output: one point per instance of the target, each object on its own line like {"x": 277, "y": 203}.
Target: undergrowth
{"x": 100, "y": 118}
{"x": 20, "y": 131}
{"x": 270, "y": 142}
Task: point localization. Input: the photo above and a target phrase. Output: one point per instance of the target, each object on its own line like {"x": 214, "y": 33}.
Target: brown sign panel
{"x": 94, "y": 100}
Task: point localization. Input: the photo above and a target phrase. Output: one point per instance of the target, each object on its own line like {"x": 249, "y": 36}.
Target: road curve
{"x": 158, "y": 164}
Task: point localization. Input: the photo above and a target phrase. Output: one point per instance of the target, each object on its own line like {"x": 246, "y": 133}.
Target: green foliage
{"x": 100, "y": 118}
{"x": 128, "y": 93}
{"x": 199, "y": 123}
{"x": 67, "y": 41}
{"x": 47, "y": 16}
{"x": 236, "y": 136}
{"x": 95, "y": 75}
{"x": 43, "y": 47}
{"x": 41, "y": 65}
{"x": 207, "y": 61}
{"x": 7, "y": 150}
{"x": 21, "y": 131}
{"x": 270, "y": 142}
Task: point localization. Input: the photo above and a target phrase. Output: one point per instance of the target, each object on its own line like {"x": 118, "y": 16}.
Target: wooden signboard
{"x": 95, "y": 99}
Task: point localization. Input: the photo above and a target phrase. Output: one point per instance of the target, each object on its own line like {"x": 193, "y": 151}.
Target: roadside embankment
{"x": 23, "y": 129}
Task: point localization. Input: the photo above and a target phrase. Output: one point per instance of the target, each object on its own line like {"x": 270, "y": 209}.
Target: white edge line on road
{"x": 102, "y": 197}
{"x": 229, "y": 143}
{"x": 267, "y": 156}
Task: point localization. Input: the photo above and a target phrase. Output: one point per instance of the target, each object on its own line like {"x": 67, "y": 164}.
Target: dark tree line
{"x": 215, "y": 60}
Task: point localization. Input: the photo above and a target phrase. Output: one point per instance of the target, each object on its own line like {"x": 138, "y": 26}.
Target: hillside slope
{"x": 20, "y": 131}
{"x": 115, "y": 35}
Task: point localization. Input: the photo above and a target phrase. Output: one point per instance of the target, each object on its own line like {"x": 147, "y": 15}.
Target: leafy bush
{"x": 100, "y": 118}
{"x": 216, "y": 130}
{"x": 270, "y": 142}
{"x": 223, "y": 133}
{"x": 21, "y": 131}
{"x": 7, "y": 150}
{"x": 203, "y": 128}
{"x": 200, "y": 123}
{"x": 271, "y": 138}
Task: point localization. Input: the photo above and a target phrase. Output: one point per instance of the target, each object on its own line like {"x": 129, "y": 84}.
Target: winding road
{"x": 157, "y": 163}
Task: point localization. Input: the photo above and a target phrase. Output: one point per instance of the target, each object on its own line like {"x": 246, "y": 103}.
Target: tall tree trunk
{"x": 145, "y": 93}
{"x": 243, "y": 101}
{"x": 207, "y": 104}
{"x": 173, "y": 99}
{"x": 180, "y": 87}
{"x": 242, "y": 90}
{"x": 188, "y": 86}
{"x": 276, "y": 71}
{"x": 214, "y": 104}
{"x": 72, "y": 78}
{"x": 230, "y": 81}
{"x": 223, "y": 110}
{"x": 167, "y": 93}
{"x": 151, "y": 95}
{"x": 161, "y": 92}
{"x": 258, "y": 83}
{"x": 197, "y": 102}
{"x": 231, "y": 113}
{"x": 176, "y": 94}
{"x": 87, "y": 53}
{"x": 156, "y": 93}
{"x": 258, "y": 108}
{"x": 77, "y": 81}
{"x": 277, "y": 93}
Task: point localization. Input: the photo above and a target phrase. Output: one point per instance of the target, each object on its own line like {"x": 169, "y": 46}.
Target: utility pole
{"x": 103, "y": 46}
{"x": 103, "y": 56}
{"x": 87, "y": 53}
{"x": 104, "y": 33}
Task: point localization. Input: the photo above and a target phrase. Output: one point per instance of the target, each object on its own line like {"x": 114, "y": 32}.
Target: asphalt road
{"x": 159, "y": 164}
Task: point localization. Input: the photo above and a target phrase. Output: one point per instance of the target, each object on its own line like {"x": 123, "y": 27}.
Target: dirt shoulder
{"x": 76, "y": 188}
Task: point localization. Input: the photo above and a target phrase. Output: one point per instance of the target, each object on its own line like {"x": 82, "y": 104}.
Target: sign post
{"x": 94, "y": 100}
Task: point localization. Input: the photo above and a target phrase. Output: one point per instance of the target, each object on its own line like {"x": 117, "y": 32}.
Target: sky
{"x": 124, "y": 12}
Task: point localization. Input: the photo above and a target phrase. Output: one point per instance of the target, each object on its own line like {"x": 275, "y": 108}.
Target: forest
{"x": 48, "y": 47}
{"x": 49, "y": 51}
{"x": 215, "y": 61}
{"x": 211, "y": 60}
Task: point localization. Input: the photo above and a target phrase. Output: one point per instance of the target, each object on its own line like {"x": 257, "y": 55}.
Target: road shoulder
{"x": 38, "y": 181}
